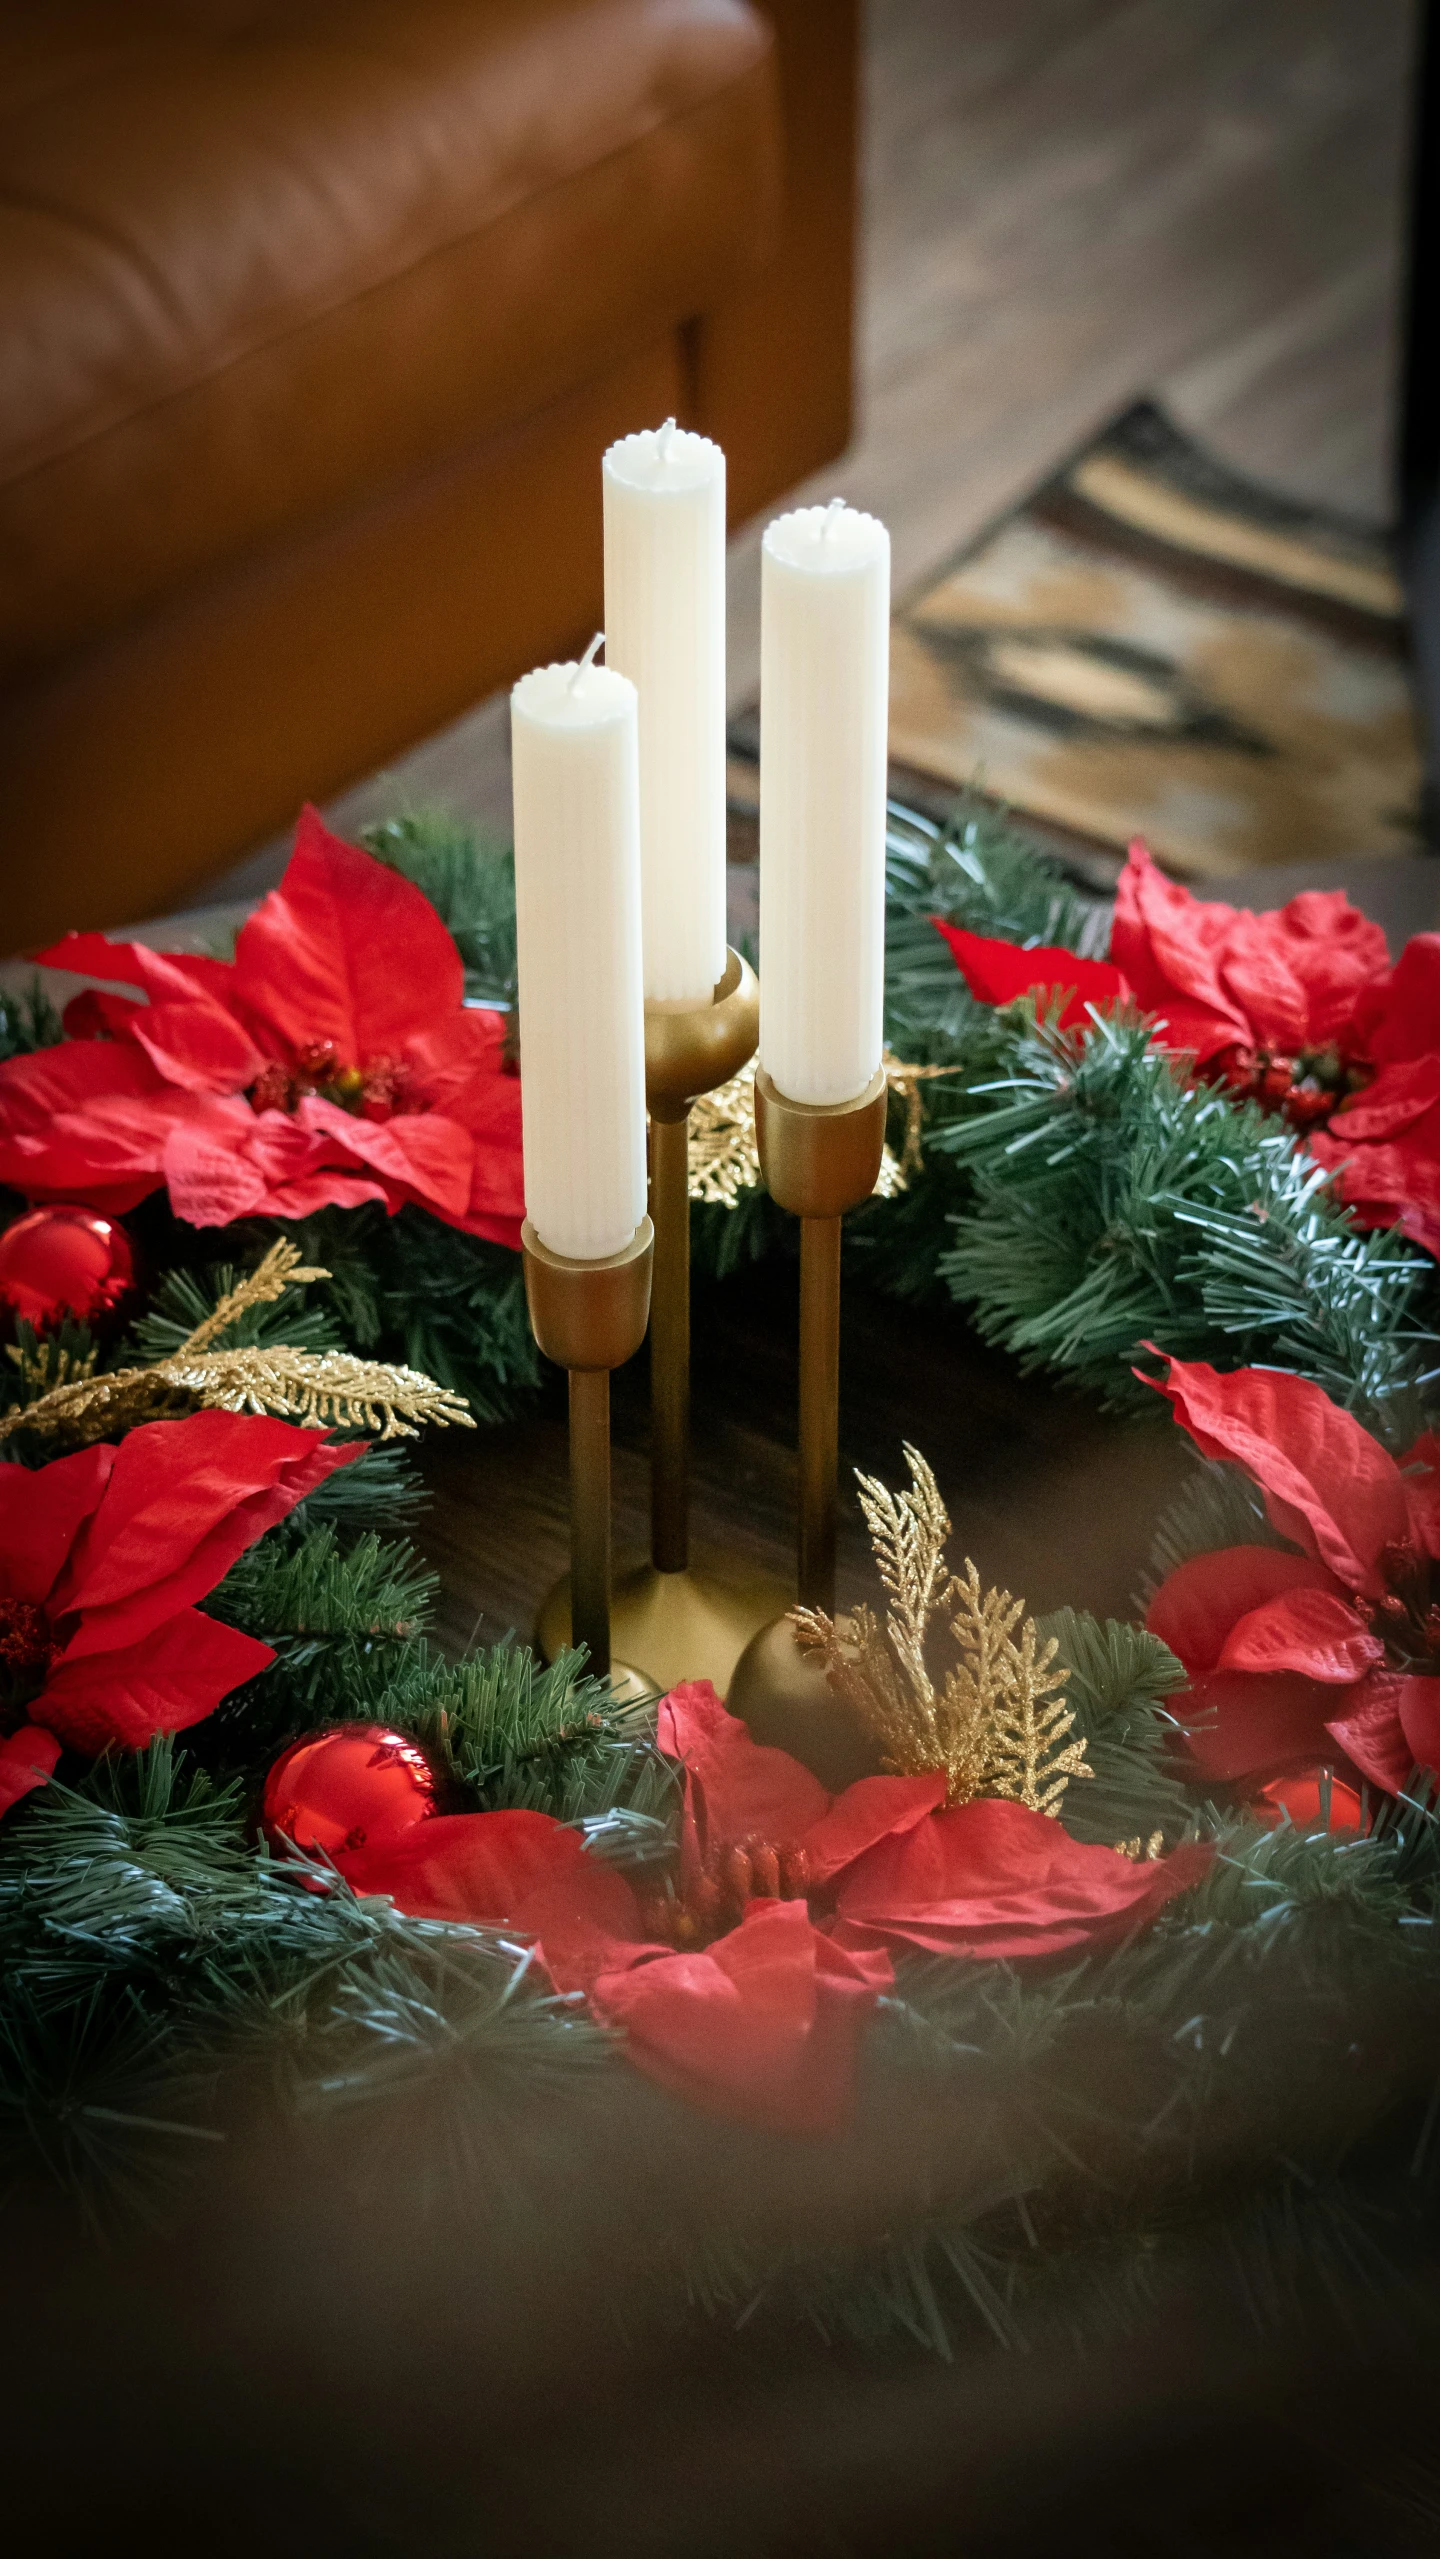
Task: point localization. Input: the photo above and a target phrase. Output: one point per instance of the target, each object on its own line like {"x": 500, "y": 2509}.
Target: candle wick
{"x": 587, "y": 661}
{"x": 662, "y": 444}
{"x": 834, "y": 510}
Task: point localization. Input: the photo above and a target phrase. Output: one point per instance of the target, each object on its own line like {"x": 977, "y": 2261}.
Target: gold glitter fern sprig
{"x": 321, "y": 1390}
{"x": 993, "y": 1716}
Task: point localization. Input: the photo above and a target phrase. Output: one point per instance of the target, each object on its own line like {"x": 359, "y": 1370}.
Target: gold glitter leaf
{"x": 321, "y": 1390}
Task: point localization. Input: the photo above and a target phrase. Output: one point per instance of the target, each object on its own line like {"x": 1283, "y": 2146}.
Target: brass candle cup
{"x": 818, "y": 1159}
{"x": 670, "y": 1620}
{"x": 589, "y": 1317}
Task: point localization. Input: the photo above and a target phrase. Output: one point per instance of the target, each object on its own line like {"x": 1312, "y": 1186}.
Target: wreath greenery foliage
{"x": 1076, "y": 1197}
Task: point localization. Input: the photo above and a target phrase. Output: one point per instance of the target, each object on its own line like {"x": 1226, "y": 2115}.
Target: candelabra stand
{"x": 818, "y": 1160}
{"x": 672, "y": 1620}
{"x": 589, "y": 1317}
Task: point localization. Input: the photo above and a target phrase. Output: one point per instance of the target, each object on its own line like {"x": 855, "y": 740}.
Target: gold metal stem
{"x": 590, "y": 1514}
{"x": 819, "y": 1408}
{"x": 670, "y": 1343}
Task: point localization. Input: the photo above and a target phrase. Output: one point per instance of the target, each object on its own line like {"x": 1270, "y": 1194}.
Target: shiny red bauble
{"x": 1303, "y": 1799}
{"x": 354, "y": 1786}
{"x": 61, "y": 1261}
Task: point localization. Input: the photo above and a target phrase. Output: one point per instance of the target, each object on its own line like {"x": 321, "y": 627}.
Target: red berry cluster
{"x": 378, "y": 1090}
{"x": 1306, "y": 1089}
{"x": 732, "y": 1879}
{"x": 1406, "y": 1619}
{"x": 27, "y": 1649}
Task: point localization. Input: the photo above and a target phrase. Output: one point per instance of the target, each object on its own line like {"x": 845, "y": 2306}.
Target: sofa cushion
{"x": 260, "y": 263}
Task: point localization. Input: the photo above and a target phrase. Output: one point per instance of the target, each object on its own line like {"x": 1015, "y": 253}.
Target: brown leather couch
{"x": 315, "y": 317}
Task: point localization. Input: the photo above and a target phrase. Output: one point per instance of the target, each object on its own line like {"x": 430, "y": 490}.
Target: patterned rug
{"x": 1150, "y": 645}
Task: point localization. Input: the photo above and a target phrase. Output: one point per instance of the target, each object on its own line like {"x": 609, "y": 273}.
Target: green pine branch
{"x": 1113, "y": 1203}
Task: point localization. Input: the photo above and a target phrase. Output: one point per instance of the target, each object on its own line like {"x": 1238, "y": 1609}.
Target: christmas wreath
{"x": 1126, "y": 1885}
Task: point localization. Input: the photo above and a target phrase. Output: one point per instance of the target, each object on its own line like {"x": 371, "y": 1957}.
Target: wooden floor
{"x": 1068, "y": 203}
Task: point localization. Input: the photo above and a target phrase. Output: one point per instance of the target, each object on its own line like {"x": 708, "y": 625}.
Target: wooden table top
{"x": 1052, "y": 1498}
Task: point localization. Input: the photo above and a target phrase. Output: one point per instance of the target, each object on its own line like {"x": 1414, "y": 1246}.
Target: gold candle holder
{"x": 818, "y": 1161}
{"x": 589, "y": 1317}
{"x": 670, "y": 1619}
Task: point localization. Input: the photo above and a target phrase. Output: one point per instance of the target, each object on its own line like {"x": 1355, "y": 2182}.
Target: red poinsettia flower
{"x": 1239, "y": 988}
{"x": 102, "y": 1556}
{"x": 333, "y": 1062}
{"x": 1384, "y": 1145}
{"x": 1338, "y": 1642}
{"x": 1275, "y": 1006}
{"x": 727, "y": 1990}
{"x": 764, "y": 2024}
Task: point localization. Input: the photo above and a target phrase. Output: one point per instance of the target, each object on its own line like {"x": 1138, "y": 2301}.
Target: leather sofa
{"x": 315, "y": 317}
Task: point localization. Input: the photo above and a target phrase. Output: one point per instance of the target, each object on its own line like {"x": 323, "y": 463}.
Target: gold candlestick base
{"x": 589, "y": 1317}
{"x": 818, "y": 1161}
{"x": 675, "y": 1626}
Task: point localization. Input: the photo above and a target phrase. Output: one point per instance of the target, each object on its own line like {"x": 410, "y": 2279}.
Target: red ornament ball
{"x": 56, "y": 1262}
{"x": 1303, "y": 1799}
{"x": 355, "y": 1786}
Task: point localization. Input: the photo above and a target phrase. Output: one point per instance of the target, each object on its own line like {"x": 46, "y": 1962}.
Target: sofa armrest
{"x": 772, "y": 366}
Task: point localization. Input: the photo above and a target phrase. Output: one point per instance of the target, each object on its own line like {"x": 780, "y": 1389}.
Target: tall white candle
{"x": 665, "y": 628}
{"x": 824, "y": 704}
{"x": 577, "y": 912}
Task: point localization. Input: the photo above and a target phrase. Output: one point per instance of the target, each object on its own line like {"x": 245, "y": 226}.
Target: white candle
{"x": 665, "y": 628}
{"x": 824, "y": 705}
{"x": 577, "y": 912}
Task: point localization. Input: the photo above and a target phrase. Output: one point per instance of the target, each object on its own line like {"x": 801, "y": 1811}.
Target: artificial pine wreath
{"x": 1129, "y": 1884}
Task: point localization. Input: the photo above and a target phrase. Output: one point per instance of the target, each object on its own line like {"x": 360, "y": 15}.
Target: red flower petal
{"x": 199, "y": 1047}
{"x": 1300, "y": 970}
{"x": 994, "y": 1880}
{"x": 764, "y": 2026}
{"x": 345, "y": 950}
{"x": 1390, "y": 1184}
{"x": 166, "y": 977}
{"x": 27, "y": 1760}
{"x": 84, "y": 1121}
{"x": 1390, "y": 1728}
{"x": 1196, "y": 1605}
{"x": 41, "y": 1515}
{"x": 872, "y": 1808}
{"x": 517, "y": 1870}
{"x": 1419, "y": 1704}
{"x": 1169, "y": 946}
{"x": 1326, "y": 1482}
{"x": 419, "y": 1155}
{"x": 183, "y": 1500}
{"x": 1420, "y": 1467}
{"x": 1314, "y": 1631}
{"x": 997, "y": 972}
{"x": 173, "y": 1677}
{"x": 1406, "y": 1006}
{"x": 1241, "y": 1724}
{"x": 1399, "y": 1097}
